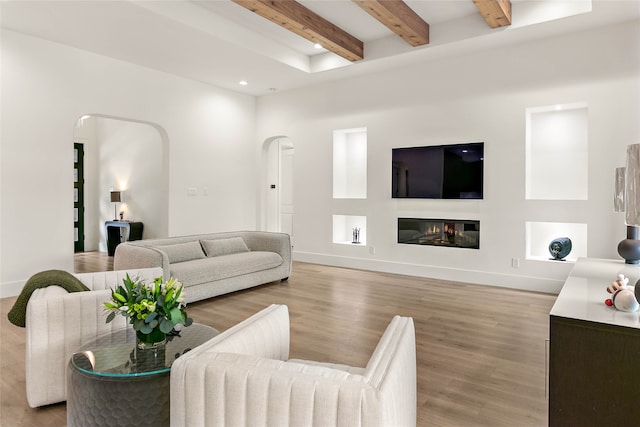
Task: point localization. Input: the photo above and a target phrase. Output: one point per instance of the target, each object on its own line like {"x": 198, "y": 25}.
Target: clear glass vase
{"x": 153, "y": 339}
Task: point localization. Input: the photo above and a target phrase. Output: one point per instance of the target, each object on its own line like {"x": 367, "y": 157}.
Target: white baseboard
{"x": 527, "y": 283}
{"x": 11, "y": 289}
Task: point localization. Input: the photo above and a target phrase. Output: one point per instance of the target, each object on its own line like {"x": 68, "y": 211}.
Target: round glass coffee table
{"x": 112, "y": 382}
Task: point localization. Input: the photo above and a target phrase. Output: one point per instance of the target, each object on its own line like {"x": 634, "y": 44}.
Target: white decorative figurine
{"x": 623, "y": 296}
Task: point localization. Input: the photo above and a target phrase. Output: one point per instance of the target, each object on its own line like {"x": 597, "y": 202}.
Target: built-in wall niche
{"x": 557, "y": 152}
{"x": 350, "y": 163}
{"x": 540, "y": 234}
{"x": 350, "y": 229}
{"x": 453, "y": 233}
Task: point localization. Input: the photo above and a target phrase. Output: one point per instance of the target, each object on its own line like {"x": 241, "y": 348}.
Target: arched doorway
{"x": 124, "y": 155}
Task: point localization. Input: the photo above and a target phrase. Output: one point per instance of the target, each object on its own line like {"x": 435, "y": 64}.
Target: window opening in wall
{"x": 350, "y": 163}
{"x": 557, "y": 152}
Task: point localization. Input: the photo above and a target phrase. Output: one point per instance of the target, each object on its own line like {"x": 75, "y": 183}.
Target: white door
{"x": 279, "y": 199}
{"x": 286, "y": 189}
{"x": 273, "y": 191}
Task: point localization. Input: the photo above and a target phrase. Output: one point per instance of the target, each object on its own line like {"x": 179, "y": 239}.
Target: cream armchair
{"x": 58, "y": 323}
{"x": 242, "y": 378}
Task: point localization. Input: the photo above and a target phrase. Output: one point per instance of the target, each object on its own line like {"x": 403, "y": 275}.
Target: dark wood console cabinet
{"x": 594, "y": 351}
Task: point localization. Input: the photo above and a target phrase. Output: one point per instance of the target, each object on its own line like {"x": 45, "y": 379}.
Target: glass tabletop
{"x": 116, "y": 354}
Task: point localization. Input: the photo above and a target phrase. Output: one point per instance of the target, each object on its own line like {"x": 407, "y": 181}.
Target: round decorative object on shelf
{"x": 625, "y": 300}
{"x": 636, "y": 290}
{"x": 560, "y": 248}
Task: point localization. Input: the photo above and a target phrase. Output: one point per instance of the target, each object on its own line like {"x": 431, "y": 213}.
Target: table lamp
{"x": 116, "y": 197}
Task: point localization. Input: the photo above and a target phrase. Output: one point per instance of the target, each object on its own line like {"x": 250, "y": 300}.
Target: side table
{"x": 114, "y": 229}
{"x": 112, "y": 382}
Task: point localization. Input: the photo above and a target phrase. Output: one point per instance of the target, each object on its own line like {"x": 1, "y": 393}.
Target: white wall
{"x": 482, "y": 96}
{"x": 46, "y": 87}
{"x": 132, "y": 160}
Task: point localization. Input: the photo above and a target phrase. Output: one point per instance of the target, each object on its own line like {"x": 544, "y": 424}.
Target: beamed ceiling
{"x": 270, "y": 44}
{"x": 396, "y": 15}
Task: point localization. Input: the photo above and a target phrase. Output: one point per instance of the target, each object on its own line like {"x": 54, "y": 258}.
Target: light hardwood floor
{"x": 480, "y": 349}
{"x": 88, "y": 262}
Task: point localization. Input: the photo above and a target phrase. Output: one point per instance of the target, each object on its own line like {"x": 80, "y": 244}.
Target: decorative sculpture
{"x": 623, "y": 296}
{"x": 356, "y": 235}
{"x": 560, "y": 248}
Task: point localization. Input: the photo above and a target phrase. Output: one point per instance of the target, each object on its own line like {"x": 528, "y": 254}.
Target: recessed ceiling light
{"x": 243, "y": 82}
{"x": 317, "y": 46}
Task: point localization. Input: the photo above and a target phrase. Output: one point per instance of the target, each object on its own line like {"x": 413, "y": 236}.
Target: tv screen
{"x": 438, "y": 172}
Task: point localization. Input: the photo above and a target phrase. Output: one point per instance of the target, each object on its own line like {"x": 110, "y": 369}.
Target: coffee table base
{"x": 109, "y": 401}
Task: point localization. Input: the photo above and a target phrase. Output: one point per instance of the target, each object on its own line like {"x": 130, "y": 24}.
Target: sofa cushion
{"x": 221, "y": 267}
{"x": 181, "y": 252}
{"x": 218, "y": 247}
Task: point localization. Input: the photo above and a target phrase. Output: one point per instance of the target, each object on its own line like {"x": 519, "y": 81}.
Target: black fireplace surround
{"x": 453, "y": 233}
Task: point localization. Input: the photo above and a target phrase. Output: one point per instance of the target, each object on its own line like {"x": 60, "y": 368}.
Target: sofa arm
{"x": 57, "y": 324}
{"x": 132, "y": 256}
{"x": 269, "y": 242}
{"x": 392, "y": 370}
{"x": 264, "y": 335}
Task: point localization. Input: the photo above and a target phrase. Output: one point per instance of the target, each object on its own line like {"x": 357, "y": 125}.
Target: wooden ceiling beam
{"x": 399, "y": 18}
{"x": 497, "y": 13}
{"x": 297, "y": 18}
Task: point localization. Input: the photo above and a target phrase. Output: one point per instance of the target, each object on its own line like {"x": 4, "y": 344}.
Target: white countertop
{"x": 585, "y": 290}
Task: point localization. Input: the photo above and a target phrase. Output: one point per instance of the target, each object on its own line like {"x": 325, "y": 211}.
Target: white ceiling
{"x": 220, "y": 43}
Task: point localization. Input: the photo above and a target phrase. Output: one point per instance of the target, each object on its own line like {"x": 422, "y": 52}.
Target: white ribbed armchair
{"x": 242, "y": 378}
{"x": 58, "y": 323}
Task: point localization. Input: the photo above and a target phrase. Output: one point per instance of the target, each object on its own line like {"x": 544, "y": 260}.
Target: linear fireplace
{"x": 452, "y": 233}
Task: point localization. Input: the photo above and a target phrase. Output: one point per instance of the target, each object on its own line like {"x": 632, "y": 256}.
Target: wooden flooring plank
{"x": 480, "y": 349}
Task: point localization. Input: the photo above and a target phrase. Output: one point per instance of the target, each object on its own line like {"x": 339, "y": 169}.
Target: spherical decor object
{"x": 560, "y": 248}
{"x": 637, "y": 290}
{"x": 625, "y": 300}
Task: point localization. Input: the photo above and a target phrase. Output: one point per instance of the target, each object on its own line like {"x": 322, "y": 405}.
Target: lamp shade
{"x": 632, "y": 185}
{"x": 618, "y": 195}
{"x": 116, "y": 196}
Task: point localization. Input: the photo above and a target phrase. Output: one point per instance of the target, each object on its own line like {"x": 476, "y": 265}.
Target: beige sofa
{"x": 212, "y": 264}
{"x": 244, "y": 377}
{"x": 58, "y": 323}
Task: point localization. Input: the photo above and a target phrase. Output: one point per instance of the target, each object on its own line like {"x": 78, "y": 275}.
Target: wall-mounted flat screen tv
{"x": 452, "y": 171}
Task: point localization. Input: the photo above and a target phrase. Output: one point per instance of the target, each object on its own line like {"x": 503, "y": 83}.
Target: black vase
{"x": 629, "y": 248}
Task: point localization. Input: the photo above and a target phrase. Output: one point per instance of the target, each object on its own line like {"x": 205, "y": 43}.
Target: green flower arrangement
{"x": 150, "y": 307}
